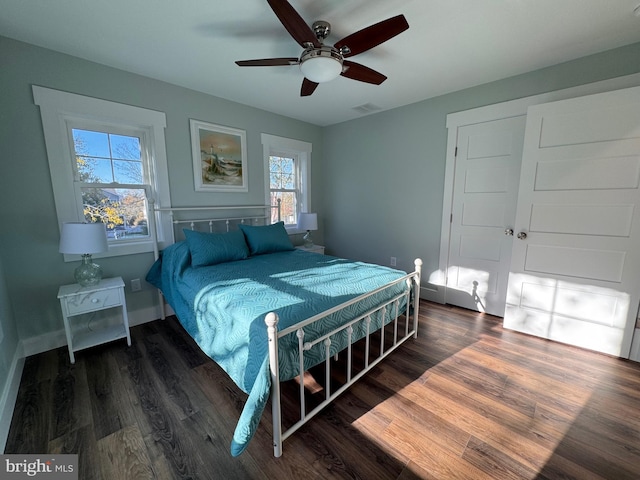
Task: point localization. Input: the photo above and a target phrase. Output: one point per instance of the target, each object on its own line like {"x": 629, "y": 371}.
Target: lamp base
{"x": 88, "y": 273}
{"x": 308, "y": 241}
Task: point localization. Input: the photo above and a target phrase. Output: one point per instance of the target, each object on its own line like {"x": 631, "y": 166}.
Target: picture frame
{"x": 219, "y": 157}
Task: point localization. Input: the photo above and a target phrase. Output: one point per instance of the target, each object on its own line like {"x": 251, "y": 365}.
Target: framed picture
{"x": 219, "y": 158}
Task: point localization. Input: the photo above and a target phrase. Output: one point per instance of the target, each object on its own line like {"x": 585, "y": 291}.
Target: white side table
{"x": 76, "y": 300}
{"x": 313, "y": 248}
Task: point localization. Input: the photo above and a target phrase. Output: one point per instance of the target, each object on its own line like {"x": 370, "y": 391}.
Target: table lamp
{"x": 84, "y": 239}
{"x": 308, "y": 222}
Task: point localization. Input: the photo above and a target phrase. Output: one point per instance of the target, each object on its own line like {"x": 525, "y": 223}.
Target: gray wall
{"x": 384, "y": 173}
{"x": 33, "y": 268}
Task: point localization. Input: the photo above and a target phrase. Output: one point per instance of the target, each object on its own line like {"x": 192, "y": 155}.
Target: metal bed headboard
{"x": 198, "y": 215}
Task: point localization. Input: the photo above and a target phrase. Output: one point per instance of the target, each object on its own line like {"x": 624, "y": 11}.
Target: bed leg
{"x": 416, "y": 295}
{"x": 272, "y": 332}
{"x": 163, "y": 313}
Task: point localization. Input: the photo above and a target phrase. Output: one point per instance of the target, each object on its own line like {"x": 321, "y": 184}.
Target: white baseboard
{"x": 9, "y": 396}
{"x": 432, "y": 293}
{"x": 57, "y": 339}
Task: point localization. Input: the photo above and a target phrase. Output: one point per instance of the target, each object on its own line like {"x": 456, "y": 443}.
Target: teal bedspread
{"x": 223, "y": 308}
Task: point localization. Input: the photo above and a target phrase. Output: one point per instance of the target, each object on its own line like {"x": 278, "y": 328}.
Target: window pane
{"x": 127, "y": 172}
{"x": 125, "y": 147}
{"x": 93, "y": 144}
{"x": 123, "y": 211}
{"x": 288, "y": 207}
{"x": 281, "y": 172}
{"x": 94, "y": 170}
{"x": 96, "y": 154}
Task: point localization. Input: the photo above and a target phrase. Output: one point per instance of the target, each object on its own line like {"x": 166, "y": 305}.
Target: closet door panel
{"x": 575, "y": 269}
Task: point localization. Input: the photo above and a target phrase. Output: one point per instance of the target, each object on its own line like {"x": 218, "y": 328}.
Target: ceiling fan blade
{"x": 308, "y": 87}
{"x": 374, "y": 35}
{"x": 294, "y": 23}
{"x": 355, "y": 71}
{"x": 268, "y": 62}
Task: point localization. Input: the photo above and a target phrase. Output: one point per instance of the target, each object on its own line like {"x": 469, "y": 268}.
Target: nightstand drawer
{"x": 91, "y": 301}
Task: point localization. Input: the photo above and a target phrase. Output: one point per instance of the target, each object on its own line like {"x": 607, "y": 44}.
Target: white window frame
{"x": 273, "y": 145}
{"x": 61, "y": 111}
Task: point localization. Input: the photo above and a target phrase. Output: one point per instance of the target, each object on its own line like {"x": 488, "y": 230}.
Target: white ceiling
{"x": 450, "y": 45}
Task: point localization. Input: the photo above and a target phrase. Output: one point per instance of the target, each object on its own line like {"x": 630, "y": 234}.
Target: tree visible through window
{"x": 110, "y": 177}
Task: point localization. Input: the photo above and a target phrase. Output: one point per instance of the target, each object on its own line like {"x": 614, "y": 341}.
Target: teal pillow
{"x": 212, "y": 248}
{"x": 267, "y": 238}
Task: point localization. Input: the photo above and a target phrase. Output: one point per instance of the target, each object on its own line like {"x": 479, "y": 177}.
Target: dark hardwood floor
{"x": 465, "y": 400}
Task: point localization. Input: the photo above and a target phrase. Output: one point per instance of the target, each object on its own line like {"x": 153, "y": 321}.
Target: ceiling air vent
{"x": 367, "y": 108}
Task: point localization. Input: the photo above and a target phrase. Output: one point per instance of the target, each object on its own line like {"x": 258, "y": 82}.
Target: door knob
{"x": 508, "y": 231}
{"x": 522, "y": 235}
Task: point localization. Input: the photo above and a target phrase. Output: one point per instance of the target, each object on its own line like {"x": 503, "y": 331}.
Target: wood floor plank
{"x": 492, "y": 423}
{"x": 427, "y": 431}
{"x": 189, "y": 351}
{"x": 170, "y": 382}
{"x": 432, "y": 460}
{"x": 495, "y": 462}
{"x": 559, "y": 467}
{"x": 38, "y": 368}
{"x": 124, "y": 455}
{"x": 71, "y": 400}
{"x": 596, "y": 462}
{"x": 110, "y": 407}
{"x": 465, "y": 400}
{"x": 169, "y": 443}
{"x": 29, "y": 430}
{"x": 80, "y": 441}
{"x": 204, "y": 428}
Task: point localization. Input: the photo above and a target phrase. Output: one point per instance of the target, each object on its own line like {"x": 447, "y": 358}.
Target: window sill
{"x": 294, "y": 230}
{"x": 116, "y": 251}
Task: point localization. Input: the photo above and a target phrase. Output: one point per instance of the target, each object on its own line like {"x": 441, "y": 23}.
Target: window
{"x": 284, "y": 186}
{"x": 287, "y": 167}
{"x": 111, "y": 182}
{"x": 107, "y": 162}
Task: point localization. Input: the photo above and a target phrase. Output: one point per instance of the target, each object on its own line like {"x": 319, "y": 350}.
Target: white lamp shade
{"x": 83, "y": 238}
{"x": 308, "y": 221}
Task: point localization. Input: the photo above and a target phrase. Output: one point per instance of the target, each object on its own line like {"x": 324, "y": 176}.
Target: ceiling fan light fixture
{"x": 321, "y": 64}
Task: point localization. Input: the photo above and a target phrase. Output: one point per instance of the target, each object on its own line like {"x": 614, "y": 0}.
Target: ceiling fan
{"x": 321, "y": 63}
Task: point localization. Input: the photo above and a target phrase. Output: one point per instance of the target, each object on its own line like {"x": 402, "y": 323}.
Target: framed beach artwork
{"x": 219, "y": 158}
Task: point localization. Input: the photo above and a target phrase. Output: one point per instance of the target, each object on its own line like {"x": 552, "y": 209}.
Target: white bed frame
{"x": 412, "y": 295}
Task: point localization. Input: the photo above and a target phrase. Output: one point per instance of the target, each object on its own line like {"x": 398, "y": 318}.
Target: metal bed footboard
{"x": 412, "y": 294}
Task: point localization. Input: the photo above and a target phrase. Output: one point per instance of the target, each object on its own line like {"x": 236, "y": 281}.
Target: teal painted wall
{"x": 384, "y": 173}
{"x": 33, "y": 268}
{"x": 8, "y": 334}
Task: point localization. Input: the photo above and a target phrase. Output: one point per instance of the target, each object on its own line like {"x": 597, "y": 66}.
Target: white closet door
{"x": 575, "y": 278}
{"x": 484, "y": 206}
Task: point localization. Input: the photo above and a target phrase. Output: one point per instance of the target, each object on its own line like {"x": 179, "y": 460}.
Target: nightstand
{"x": 313, "y": 248}
{"x": 76, "y": 300}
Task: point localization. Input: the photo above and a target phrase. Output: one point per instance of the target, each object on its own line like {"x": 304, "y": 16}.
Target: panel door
{"x": 575, "y": 278}
{"x": 485, "y": 192}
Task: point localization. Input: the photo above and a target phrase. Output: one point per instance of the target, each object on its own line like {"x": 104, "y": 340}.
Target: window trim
{"x": 61, "y": 110}
{"x": 273, "y": 145}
